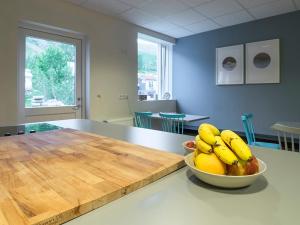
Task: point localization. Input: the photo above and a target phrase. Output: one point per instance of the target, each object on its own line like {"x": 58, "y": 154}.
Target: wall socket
{"x": 123, "y": 97}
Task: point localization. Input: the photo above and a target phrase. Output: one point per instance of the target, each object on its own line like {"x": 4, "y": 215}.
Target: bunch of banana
{"x": 224, "y": 153}
{"x": 206, "y": 138}
{"x": 211, "y": 127}
{"x": 203, "y": 146}
{"x": 228, "y": 146}
{"x": 207, "y": 133}
{"x": 238, "y": 146}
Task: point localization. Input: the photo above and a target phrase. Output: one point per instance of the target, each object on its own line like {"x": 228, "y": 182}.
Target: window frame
{"x": 164, "y": 64}
{"x": 28, "y": 27}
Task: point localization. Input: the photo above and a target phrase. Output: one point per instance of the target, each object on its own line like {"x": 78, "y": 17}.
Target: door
{"x": 50, "y": 81}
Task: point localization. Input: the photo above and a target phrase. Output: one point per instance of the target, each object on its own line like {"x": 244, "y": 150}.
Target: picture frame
{"x": 230, "y": 65}
{"x": 263, "y": 62}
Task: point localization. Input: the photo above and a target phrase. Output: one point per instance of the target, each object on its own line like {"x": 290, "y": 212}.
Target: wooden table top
{"x": 52, "y": 177}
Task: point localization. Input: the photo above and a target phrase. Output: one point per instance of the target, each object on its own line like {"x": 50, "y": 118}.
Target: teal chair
{"x": 172, "y": 122}
{"x": 247, "y": 120}
{"x": 143, "y": 119}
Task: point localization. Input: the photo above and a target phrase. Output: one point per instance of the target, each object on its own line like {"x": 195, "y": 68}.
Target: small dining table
{"x": 293, "y": 127}
{"x": 188, "y": 117}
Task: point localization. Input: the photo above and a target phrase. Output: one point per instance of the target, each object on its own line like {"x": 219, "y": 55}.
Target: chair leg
{"x": 279, "y": 140}
{"x": 174, "y": 126}
{"x": 252, "y": 131}
{"x": 285, "y": 142}
{"x": 293, "y": 146}
{"x": 181, "y": 126}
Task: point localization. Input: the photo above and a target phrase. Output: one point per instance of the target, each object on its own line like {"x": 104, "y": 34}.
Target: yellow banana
{"x": 224, "y": 153}
{"x": 213, "y": 129}
{"x": 241, "y": 149}
{"x": 229, "y": 134}
{"x": 207, "y": 136}
{"x": 197, "y": 138}
{"x": 196, "y": 153}
{"x": 220, "y": 141}
{"x": 203, "y": 146}
{"x": 237, "y": 144}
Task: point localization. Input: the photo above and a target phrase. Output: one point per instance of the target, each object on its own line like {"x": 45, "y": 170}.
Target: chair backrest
{"x": 286, "y": 133}
{"x": 172, "y": 122}
{"x": 143, "y": 119}
{"x": 247, "y": 120}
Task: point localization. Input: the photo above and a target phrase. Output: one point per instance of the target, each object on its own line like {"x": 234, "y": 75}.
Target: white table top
{"x": 180, "y": 198}
{"x": 290, "y": 124}
{"x": 187, "y": 118}
{"x": 291, "y": 127}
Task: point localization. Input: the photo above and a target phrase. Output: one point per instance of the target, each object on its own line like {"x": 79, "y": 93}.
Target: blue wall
{"x": 194, "y": 75}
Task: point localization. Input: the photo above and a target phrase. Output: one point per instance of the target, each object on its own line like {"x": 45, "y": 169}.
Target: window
{"x": 154, "y": 68}
{"x": 50, "y": 74}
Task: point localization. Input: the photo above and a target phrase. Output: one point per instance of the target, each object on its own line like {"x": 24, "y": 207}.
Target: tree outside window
{"x": 50, "y": 73}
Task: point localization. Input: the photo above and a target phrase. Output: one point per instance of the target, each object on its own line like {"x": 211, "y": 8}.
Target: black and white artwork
{"x": 263, "y": 62}
{"x": 230, "y": 65}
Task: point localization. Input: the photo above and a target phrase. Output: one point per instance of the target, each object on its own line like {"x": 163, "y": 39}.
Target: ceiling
{"x": 180, "y": 18}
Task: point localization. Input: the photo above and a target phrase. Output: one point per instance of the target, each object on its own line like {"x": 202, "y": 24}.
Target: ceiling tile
{"x": 234, "y": 18}
{"x": 195, "y": 2}
{"x": 178, "y": 32}
{"x": 218, "y": 8}
{"x": 272, "y": 9}
{"x": 202, "y": 26}
{"x": 77, "y": 2}
{"x": 297, "y": 3}
{"x": 179, "y": 18}
{"x": 163, "y": 8}
{"x": 134, "y": 3}
{"x": 186, "y": 17}
{"x": 161, "y": 25}
{"x": 138, "y": 17}
{"x": 253, "y": 3}
{"x": 111, "y": 7}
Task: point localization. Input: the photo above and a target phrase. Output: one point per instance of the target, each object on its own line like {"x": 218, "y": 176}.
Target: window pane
{"x": 148, "y": 72}
{"x": 50, "y": 73}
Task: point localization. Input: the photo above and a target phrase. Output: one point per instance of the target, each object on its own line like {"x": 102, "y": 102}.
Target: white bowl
{"x": 188, "y": 149}
{"x": 224, "y": 181}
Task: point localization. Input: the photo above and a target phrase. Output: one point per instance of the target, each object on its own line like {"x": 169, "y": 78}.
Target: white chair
{"x": 287, "y": 132}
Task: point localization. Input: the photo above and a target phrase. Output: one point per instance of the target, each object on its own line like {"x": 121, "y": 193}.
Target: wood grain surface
{"x": 52, "y": 177}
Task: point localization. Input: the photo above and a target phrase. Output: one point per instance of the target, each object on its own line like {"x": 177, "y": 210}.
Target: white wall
{"x": 113, "y": 58}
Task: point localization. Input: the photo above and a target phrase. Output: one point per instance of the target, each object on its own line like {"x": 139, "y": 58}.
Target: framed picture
{"x": 230, "y": 65}
{"x": 263, "y": 62}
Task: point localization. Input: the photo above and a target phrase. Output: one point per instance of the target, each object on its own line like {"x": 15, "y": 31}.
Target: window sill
{"x": 158, "y": 100}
